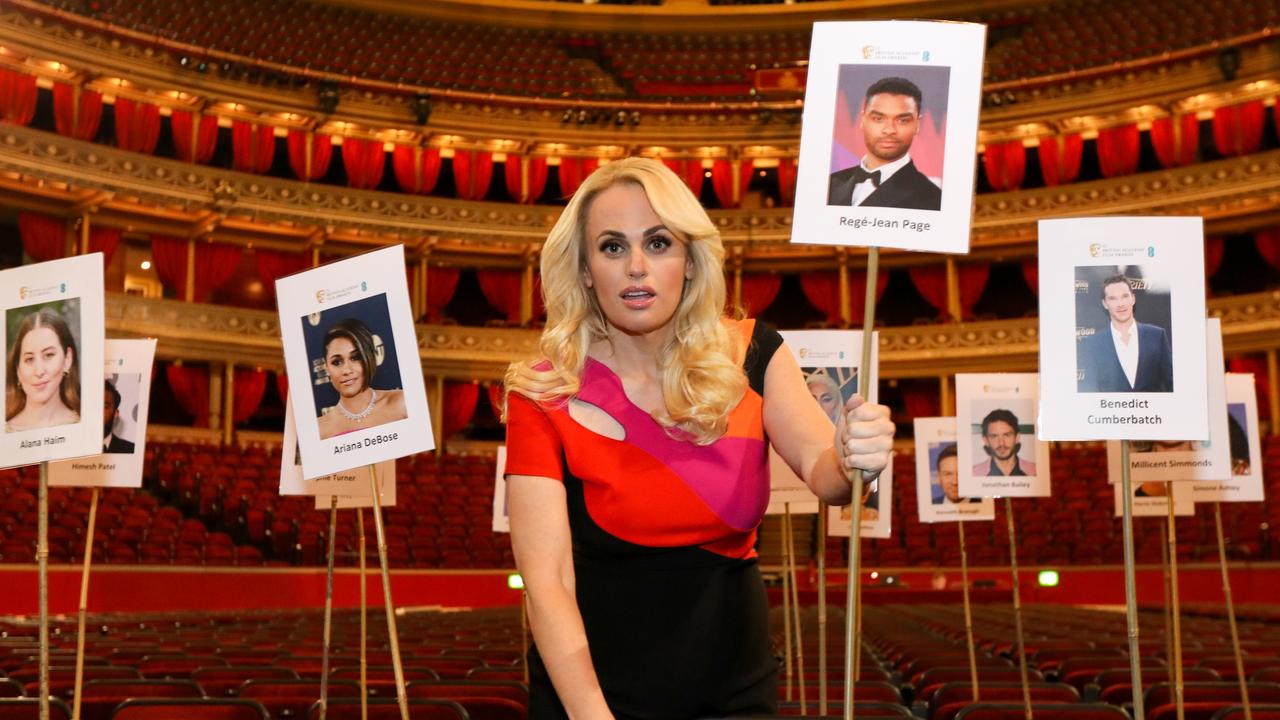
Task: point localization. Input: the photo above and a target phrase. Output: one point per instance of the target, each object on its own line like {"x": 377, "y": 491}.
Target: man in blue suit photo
{"x": 1127, "y": 356}
{"x": 887, "y": 177}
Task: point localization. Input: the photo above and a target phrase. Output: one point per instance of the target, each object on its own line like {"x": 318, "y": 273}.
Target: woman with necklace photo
{"x": 351, "y": 360}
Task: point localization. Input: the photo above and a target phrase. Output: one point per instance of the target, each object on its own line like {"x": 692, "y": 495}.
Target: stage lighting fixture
{"x": 635, "y": 117}
{"x": 582, "y": 117}
{"x": 184, "y": 61}
{"x": 568, "y": 116}
{"x": 421, "y": 107}
{"x": 621, "y": 118}
{"x": 515, "y": 582}
{"x": 1048, "y": 578}
{"x": 328, "y": 95}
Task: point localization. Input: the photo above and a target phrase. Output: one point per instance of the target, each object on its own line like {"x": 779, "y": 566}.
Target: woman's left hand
{"x": 864, "y": 437}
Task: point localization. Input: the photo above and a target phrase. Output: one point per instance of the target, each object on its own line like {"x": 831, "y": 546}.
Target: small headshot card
{"x": 938, "y": 497}
{"x": 999, "y": 454}
{"x": 889, "y": 140}
{"x": 1122, "y": 332}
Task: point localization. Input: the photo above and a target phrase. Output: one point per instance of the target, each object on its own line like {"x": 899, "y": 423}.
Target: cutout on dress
{"x": 595, "y": 419}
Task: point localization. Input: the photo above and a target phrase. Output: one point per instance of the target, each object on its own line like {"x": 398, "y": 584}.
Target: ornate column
{"x": 84, "y": 233}
{"x": 953, "y": 290}
{"x": 1273, "y": 390}
{"x": 526, "y": 290}
{"x": 846, "y": 311}
{"x": 215, "y": 397}
{"x": 189, "y": 292}
{"x": 228, "y": 401}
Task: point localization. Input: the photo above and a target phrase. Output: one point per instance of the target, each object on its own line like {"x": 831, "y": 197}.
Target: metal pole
{"x": 364, "y": 621}
{"x": 1231, "y": 614}
{"x": 968, "y": 613}
{"x": 1168, "y": 602}
{"x": 788, "y": 668}
{"x": 328, "y": 610}
{"x": 852, "y": 640}
{"x": 1017, "y": 609}
{"x": 84, "y": 605}
{"x": 402, "y": 697}
{"x": 822, "y": 608}
{"x": 42, "y": 562}
{"x": 1130, "y": 583}
{"x": 795, "y": 606}
{"x": 1177, "y": 619}
{"x": 524, "y": 632}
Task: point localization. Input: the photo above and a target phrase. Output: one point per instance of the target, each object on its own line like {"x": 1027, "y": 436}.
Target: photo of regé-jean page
{"x": 888, "y": 136}
{"x": 1124, "y": 338}
{"x": 354, "y": 370}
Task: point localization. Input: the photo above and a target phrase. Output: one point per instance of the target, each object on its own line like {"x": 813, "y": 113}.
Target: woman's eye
{"x": 611, "y": 247}
{"x": 659, "y": 243}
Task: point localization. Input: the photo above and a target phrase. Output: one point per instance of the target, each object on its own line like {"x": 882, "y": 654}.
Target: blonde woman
{"x": 637, "y": 462}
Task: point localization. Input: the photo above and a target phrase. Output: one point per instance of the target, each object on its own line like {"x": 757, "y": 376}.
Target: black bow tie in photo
{"x": 860, "y": 175}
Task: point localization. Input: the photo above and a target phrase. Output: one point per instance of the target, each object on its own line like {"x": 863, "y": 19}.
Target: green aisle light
{"x": 1048, "y": 578}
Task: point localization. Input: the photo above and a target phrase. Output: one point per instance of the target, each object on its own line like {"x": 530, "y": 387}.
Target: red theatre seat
{"x": 1015, "y": 711}
{"x": 29, "y": 709}
{"x": 292, "y": 698}
{"x": 1259, "y": 712}
{"x": 102, "y": 696}
{"x": 201, "y": 709}
{"x": 226, "y": 681}
{"x": 952, "y": 698}
{"x": 389, "y": 710}
{"x": 1223, "y": 693}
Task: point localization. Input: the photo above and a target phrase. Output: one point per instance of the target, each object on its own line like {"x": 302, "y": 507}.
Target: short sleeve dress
{"x": 664, "y": 534}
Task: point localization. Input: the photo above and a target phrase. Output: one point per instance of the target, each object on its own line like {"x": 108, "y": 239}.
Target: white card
{"x": 938, "y": 496}
{"x": 829, "y": 360}
{"x": 1147, "y": 503}
{"x": 360, "y": 477}
{"x": 996, "y": 436}
{"x": 1243, "y": 445}
{"x": 350, "y": 411}
{"x": 52, "y": 337}
{"x": 877, "y": 510}
{"x": 1168, "y": 460}
{"x": 353, "y": 482}
{"x": 127, "y": 397}
{"x": 1104, "y": 284}
{"x": 900, "y": 99}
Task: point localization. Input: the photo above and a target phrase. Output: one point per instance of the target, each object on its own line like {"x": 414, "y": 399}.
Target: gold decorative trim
{"x": 197, "y": 332}
{"x": 196, "y": 199}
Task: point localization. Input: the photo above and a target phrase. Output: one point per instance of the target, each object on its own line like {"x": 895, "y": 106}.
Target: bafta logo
{"x": 868, "y": 51}
{"x": 1094, "y": 249}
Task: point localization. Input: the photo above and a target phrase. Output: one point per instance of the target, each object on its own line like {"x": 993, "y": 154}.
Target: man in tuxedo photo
{"x": 1000, "y": 442}
{"x": 112, "y": 443}
{"x": 887, "y": 177}
{"x": 1128, "y": 356}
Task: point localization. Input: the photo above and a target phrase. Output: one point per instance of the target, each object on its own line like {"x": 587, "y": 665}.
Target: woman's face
{"x": 41, "y": 362}
{"x": 636, "y": 266}
{"x": 345, "y": 365}
{"x": 826, "y": 397}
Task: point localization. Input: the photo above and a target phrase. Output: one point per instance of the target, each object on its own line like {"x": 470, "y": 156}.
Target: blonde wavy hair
{"x": 702, "y": 379}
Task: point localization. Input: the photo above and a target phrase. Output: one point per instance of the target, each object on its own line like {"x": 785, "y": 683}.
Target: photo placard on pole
{"x": 996, "y": 442}
{"x": 1243, "y": 444}
{"x": 351, "y": 483}
{"x": 501, "y": 520}
{"x": 877, "y": 510}
{"x": 1122, "y": 332}
{"x": 1185, "y": 460}
{"x": 1148, "y": 504}
{"x": 52, "y": 337}
{"x": 938, "y": 497}
{"x": 386, "y": 481}
{"x": 126, "y": 399}
{"x": 352, "y": 352}
{"x": 889, "y": 140}
{"x": 829, "y": 360}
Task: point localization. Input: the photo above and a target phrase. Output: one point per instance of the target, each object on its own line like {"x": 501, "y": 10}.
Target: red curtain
{"x": 170, "y": 257}
{"x": 689, "y": 170}
{"x": 1257, "y": 366}
{"x": 759, "y": 292}
{"x": 537, "y": 178}
{"x": 43, "y": 237}
{"x": 459, "y": 405}
{"x": 1237, "y": 130}
{"x": 787, "y": 180}
{"x": 1214, "y": 247}
{"x": 137, "y": 125}
{"x": 502, "y": 289}
{"x": 822, "y": 289}
{"x": 931, "y": 282}
{"x": 249, "y": 388}
{"x": 722, "y": 181}
{"x": 1031, "y": 273}
{"x": 573, "y": 170}
{"x": 364, "y": 161}
{"x": 195, "y": 136}
{"x": 321, "y": 154}
{"x": 282, "y": 387}
{"x": 216, "y": 264}
{"x": 920, "y": 399}
{"x": 1006, "y": 165}
{"x": 190, "y": 387}
{"x": 441, "y": 282}
{"x": 273, "y": 265}
{"x": 79, "y": 121}
{"x": 1118, "y": 150}
{"x": 253, "y": 146}
{"x": 858, "y": 294}
{"x": 472, "y": 173}
{"x": 972, "y": 277}
{"x": 1175, "y": 149}
{"x": 104, "y": 240}
{"x": 494, "y": 391}
{"x": 416, "y": 168}
{"x": 1060, "y": 158}
{"x": 17, "y": 97}
{"x": 1268, "y": 242}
